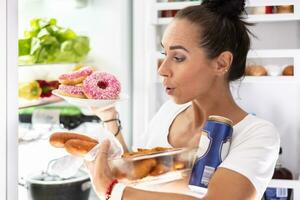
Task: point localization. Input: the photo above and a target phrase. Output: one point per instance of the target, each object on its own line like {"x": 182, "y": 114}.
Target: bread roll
{"x": 285, "y": 9}
{"x": 79, "y": 147}
{"x": 59, "y": 139}
{"x": 255, "y": 70}
{"x": 288, "y": 70}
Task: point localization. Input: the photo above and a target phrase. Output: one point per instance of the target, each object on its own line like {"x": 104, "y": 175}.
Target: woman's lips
{"x": 169, "y": 91}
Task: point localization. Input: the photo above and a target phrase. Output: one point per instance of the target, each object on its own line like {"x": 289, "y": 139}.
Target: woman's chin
{"x": 179, "y": 101}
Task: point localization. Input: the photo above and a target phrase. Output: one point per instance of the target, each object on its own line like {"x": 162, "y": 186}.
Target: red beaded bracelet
{"x": 109, "y": 189}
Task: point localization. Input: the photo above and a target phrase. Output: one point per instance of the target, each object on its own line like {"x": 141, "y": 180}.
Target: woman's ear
{"x": 223, "y": 62}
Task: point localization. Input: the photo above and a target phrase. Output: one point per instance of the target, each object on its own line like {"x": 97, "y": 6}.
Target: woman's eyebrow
{"x": 178, "y": 47}
{"x": 175, "y": 47}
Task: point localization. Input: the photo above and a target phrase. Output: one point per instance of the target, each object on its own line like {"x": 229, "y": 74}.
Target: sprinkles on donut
{"x": 101, "y": 85}
{"x": 71, "y": 91}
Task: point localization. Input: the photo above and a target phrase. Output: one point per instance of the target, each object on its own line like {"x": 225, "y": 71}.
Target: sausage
{"x": 59, "y": 139}
{"x": 79, "y": 147}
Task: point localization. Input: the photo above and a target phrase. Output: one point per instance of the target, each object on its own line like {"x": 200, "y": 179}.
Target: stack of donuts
{"x": 87, "y": 83}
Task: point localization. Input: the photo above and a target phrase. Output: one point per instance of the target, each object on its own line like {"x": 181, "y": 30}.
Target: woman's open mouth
{"x": 169, "y": 90}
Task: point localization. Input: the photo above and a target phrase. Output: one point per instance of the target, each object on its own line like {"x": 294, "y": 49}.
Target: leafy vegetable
{"x": 46, "y": 42}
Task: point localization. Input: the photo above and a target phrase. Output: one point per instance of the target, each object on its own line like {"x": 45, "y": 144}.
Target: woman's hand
{"x": 106, "y": 114}
{"x": 99, "y": 171}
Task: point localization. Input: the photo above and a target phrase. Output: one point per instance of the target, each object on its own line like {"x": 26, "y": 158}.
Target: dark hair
{"x": 221, "y": 28}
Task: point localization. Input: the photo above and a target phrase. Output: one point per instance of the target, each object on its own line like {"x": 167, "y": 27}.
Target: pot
{"x": 42, "y": 186}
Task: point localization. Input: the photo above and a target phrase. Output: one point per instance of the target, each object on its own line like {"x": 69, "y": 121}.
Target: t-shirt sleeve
{"x": 254, "y": 154}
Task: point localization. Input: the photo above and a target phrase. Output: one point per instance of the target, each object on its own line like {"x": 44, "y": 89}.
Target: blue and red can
{"x": 213, "y": 148}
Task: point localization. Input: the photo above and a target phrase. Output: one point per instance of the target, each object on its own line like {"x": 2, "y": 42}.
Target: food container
{"x": 41, "y": 185}
{"x": 158, "y": 166}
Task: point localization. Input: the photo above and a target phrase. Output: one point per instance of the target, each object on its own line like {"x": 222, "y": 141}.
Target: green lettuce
{"x": 46, "y": 42}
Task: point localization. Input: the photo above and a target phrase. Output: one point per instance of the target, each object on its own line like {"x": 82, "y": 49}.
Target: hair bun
{"x": 230, "y": 8}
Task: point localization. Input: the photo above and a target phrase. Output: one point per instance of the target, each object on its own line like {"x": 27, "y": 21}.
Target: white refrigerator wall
{"x": 106, "y": 23}
{"x": 277, "y": 102}
{"x": 8, "y": 100}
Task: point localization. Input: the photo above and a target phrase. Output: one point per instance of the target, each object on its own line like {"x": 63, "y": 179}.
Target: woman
{"x": 205, "y": 48}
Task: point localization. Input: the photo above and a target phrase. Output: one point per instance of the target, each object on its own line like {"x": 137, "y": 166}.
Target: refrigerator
{"x": 125, "y": 40}
{"x": 107, "y": 24}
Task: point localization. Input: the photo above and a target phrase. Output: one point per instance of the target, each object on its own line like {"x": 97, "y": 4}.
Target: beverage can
{"x": 213, "y": 148}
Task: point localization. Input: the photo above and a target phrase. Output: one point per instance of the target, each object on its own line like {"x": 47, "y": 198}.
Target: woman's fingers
{"x": 101, "y": 160}
{"x": 99, "y": 170}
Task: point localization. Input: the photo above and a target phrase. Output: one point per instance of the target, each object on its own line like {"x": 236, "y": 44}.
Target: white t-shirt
{"x": 253, "y": 151}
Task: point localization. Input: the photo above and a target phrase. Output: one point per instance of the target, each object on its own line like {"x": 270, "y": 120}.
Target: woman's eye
{"x": 164, "y": 53}
{"x": 179, "y": 59}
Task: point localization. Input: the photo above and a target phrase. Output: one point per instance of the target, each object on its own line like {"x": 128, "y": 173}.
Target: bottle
{"x": 279, "y": 173}
{"x": 69, "y": 116}
{"x": 213, "y": 148}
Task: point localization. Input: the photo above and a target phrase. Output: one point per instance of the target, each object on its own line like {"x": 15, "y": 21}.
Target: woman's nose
{"x": 163, "y": 69}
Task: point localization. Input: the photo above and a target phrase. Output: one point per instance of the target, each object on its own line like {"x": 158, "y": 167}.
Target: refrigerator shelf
{"x": 274, "y": 53}
{"x": 251, "y": 18}
{"x": 268, "y": 79}
{"x": 39, "y": 102}
{"x": 276, "y": 17}
{"x": 290, "y": 184}
{"x": 43, "y": 71}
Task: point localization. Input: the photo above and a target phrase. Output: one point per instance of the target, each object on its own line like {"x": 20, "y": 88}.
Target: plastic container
{"x": 159, "y": 167}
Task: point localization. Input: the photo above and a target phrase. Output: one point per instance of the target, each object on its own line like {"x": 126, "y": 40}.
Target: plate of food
{"x": 89, "y": 88}
{"x": 80, "y": 102}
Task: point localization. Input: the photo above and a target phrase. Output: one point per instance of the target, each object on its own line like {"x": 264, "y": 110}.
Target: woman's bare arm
{"x": 225, "y": 185}
{"x": 133, "y": 194}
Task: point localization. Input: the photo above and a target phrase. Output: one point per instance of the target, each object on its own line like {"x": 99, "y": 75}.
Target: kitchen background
{"x": 124, "y": 39}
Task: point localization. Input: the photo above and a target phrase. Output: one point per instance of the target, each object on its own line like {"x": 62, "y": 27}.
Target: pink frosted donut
{"x": 101, "y": 85}
{"x": 71, "y": 90}
{"x": 75, "y": 77}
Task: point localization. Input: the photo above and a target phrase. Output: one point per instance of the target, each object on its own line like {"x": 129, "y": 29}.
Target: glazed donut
{"x": 101, "y": 85}
{"x": 71, "y": 91}
{"x": 75, "y": 77}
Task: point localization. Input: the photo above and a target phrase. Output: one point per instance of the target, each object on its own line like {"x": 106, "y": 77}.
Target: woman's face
{"x": 187, "y": 72}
